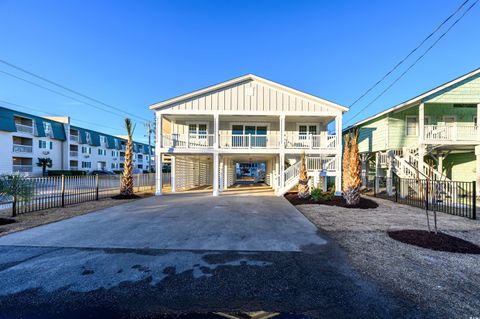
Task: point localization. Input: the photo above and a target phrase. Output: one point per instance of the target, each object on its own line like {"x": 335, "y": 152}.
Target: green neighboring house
{"x": 439, "y": 126}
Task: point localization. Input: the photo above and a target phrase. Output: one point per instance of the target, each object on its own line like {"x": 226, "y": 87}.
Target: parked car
{"x": 100, "y": 172}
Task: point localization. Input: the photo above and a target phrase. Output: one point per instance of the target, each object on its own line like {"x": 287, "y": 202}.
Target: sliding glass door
{"x": 248, "y": 135}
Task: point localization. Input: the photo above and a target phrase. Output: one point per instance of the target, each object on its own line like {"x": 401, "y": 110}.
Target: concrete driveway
{"x": 195, "y": 221}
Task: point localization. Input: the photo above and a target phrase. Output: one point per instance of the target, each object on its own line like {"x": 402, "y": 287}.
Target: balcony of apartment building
{"x": 122, "y": 156}
{"x": 22, "y": 145}
{"x": 22, "y": 165}
{"x": 74, "y": 136}
{"x": 24, "y": 125}
{"x": 140, "y": 157}
{"x": 73, "y": 165}
{"x": 73, "y": 150}
{"x": 231, "y": 133}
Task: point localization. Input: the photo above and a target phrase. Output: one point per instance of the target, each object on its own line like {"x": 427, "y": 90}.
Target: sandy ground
{"x": 47, "y": 216}
{"x": 447, "y": 282}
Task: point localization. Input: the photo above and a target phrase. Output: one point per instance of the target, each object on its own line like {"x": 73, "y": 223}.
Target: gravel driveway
{"x": 448, "y": 282}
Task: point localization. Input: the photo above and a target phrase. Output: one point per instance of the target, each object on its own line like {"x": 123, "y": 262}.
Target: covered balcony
{"x": 22, "y": 145}
{"x": 236, "y": 133}
{"x": 24, "y": 125}
{"x": 74, "y": 136}
{"x": 73, "y": 150}
{"x": 451, "y": 133}
{"x": 22, "y": 165}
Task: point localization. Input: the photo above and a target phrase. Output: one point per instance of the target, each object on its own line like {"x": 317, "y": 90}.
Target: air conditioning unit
{"x": 45, "y": 152}
{"x": 86, "y": 156}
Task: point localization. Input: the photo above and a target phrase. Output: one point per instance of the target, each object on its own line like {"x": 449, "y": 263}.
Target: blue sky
{"x": 131, "y": 54}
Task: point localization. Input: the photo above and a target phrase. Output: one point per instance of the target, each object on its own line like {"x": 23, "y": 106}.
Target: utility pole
{"x": 150, "y": 129}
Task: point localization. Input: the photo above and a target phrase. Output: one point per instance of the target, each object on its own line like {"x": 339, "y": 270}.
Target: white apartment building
{"x": 248, "y": 128}
{"x": 25, "y": 137}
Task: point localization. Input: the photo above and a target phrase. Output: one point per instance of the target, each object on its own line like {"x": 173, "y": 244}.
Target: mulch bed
{"x": 438, "y": 242}
{"x": 6, "y": 221}
{"x": 365, "y": 203}
{"x": 119, "y": 196}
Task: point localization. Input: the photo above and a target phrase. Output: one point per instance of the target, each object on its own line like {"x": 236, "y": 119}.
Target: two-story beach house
{"x": 248, "y": 127}
{"x": 439, "y": 126}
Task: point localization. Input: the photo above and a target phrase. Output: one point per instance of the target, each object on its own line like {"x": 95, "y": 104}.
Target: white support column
{"x": 477, "y": 172}
{"x": 216, "y": 128}
{"x": 389, "y": 173}
{"x": 338, "y": 176}
{"x": 282, "y": 131}
{"x": 276, "y": 175}
{"x": 377, "y": 172}
{"x": 173, "y": 174}
{"x": 364, "y": 161}
{"x": 421, "y": 158}
{"x": 440, "y": 162}
{"x": 226, "y": 174}
{"x": 421, "y": 123}
{"x": 281, "y": 163}
{"x": 158, "y": 155}
{"x": 158, "y": 174}
{"x": 221, "y": 181}
{"x": 215, "y": 174}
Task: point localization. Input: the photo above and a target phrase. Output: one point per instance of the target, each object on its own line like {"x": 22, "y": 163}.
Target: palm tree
{"x": 352, "y": 170}
{"x": 16, "y": 187}
{"x": 44, "y": 162}
{"x": 126, "y": 188}
{"x": 303, "y": 189}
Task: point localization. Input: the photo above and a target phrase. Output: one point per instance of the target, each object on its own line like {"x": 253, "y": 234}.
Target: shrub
{"x": 66, "y": 173}
{"x": 316, "y": 194}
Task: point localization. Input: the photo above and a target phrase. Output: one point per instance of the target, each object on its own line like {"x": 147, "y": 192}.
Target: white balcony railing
{"x": 17, "y": 148}
{"x": 451, "y": 132}
{"x": 24, "y": 128}
{"x": 74, "y": 153}
{"x": 74, "y": 138}
{"x": 271, "y": 140}
{"x": 303, "y": 141}
{"x": 188, "y": 140}
{"x": 321, "y": 163}
{"x": 22, "y": 168}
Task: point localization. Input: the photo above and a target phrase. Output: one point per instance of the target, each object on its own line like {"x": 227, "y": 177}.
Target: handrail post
{"x": 96, "y": 187}
{"x": 249, "y": 140}
{"x": 474, "y": 200}
{"x": 188, "y": 140}
{"x": 63, "y": 190}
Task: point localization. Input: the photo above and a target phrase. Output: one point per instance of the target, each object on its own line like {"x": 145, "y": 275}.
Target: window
{"x": 140, "y": 166}
{"x": 197, "y": 128}
{"x": 114, "y": 154}
{"x": 306, "y": 129}
{"x": 88, "y": 137}
{"x": 102, "y": 152}
{"x": 121, "y": 165}
{"x": 86, "y": 150}
{"x": 86, "y": 164}
{"x": 48, "y": 128}
{"x": 103, "y": 139}
{"x": 113, "y": 166}
{"x": 411, "y": 125}
{"x": 42, "y": 144}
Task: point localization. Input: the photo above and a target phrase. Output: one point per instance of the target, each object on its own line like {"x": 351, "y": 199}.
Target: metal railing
{"x": 451, "y": 132}
{"x": 188, "y": 140}
{"x": 270, "y": 140}
{"x": 22, "y": 168}
{"x": 74, "y": 138}
{"x": 310, "y": 141}
{"x": 451, "y": 197}
{"x": 24, "y": 128}
{"x": 60, "y": 191}
{"x": 74, "y": 153}
{"x": 18, "y": 148}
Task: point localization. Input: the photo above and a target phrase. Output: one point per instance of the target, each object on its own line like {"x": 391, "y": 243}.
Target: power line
{"x": 409, "y": 54}
{"x": 69, "y": 89}
{"x": 60, "y": 93}
{"x": 414, "y": 63}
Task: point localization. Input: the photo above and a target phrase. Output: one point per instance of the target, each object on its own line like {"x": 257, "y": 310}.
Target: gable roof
{"x": 240, "y": 79}
{"x": 418, "y": 98}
